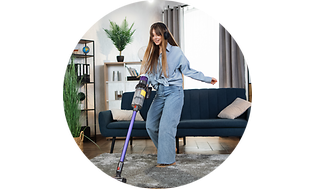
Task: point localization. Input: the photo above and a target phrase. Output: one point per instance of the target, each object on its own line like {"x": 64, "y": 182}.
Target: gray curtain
{"x": 174, "y": 19}
{"x": 231, "y": 60}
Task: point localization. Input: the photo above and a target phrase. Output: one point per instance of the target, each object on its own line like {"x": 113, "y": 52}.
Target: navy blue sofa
{"x": 199, "y": 116}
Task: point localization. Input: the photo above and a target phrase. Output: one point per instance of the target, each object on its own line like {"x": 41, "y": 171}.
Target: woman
{"x": 163, "y": 64}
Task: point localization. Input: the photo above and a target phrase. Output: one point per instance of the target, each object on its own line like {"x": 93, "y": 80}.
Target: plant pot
{"x": 120, "y": 58}
{"x": 79, "y": 140}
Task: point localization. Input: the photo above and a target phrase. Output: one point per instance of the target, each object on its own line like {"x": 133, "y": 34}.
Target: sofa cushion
{"x": 125, "y": 115}
{"x": 235, "y": 109}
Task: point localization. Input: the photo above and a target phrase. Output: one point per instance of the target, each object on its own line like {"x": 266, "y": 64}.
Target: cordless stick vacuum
{"x": 142, "y": 92}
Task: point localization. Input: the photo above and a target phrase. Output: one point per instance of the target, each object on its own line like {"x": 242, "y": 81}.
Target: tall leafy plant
{"x": 120, "y": 35}
{"x": 71, "y": 100}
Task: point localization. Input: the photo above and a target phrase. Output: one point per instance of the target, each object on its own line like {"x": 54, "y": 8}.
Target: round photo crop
{"x": 157, "y": 94}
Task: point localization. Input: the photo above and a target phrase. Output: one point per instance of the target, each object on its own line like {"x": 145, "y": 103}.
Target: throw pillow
{"x": 235, "y": 109}
{"x": 125, "y": 115}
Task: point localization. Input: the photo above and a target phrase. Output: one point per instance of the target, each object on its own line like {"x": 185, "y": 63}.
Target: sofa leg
{"x": 177, "y": 145}
{"x": 113, "y": 144}
{"x": 184, "y": 139}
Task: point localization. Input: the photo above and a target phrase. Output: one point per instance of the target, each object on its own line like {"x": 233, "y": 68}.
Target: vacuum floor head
{"x": 124, "y": 180}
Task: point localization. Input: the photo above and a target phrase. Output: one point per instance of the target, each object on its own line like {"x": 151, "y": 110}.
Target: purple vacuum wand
{"x": 122, "y": 157}
{"x": 141, "y": 92}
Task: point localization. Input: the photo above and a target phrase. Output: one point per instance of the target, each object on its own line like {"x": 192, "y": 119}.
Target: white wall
{"x": 143, "y": 14}
{"x": 202, "y": 50}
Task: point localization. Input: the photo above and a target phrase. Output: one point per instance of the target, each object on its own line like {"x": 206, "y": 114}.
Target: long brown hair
{"x": 151, "y": 56}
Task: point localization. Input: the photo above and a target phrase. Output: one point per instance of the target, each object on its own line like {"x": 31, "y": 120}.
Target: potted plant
{"x": 71, "y": 102}
{"x": 120, "y": 36}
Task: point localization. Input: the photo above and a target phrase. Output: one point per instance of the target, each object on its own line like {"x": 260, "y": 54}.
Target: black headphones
{"x": 166, "y": 33}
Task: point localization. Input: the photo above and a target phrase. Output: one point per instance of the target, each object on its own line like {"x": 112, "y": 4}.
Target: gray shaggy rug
{"x": 140, "y": 170}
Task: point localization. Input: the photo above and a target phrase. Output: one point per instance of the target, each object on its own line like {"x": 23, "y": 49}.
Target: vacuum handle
{"x": 149, "y": 89}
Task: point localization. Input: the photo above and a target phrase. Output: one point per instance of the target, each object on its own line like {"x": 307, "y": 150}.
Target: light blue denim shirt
{"x": 177, "y": 64}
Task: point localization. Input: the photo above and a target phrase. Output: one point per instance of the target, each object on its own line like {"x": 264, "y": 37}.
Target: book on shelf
{"x": 132, "y": 71}
{"x": 83, "y": 72}
{"x": 134, "y": 75}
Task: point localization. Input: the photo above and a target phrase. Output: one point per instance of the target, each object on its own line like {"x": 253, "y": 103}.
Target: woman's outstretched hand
{"x": 213, "y": 81}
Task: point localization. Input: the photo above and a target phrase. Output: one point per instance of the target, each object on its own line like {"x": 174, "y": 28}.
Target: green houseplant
{"x": 120, "y": 36}
{"x": 71, "y": 102}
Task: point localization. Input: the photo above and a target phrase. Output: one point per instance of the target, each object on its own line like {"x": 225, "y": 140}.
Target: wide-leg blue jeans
{"x": 162, "y": 120}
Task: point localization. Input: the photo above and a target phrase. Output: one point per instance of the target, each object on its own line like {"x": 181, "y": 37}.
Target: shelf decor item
{"x": 118, "y": 95}
{"x": 76, "y": 51}
{"x": 120, "y": 36}
{"x": 81, "y": 98}
{"x": 86, "y": 49}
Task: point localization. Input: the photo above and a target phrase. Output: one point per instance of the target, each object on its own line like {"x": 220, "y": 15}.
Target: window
{"x": 201, "y": 46}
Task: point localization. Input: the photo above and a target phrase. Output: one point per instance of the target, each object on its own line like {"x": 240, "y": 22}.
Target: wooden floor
{"x": 194, "y": 145}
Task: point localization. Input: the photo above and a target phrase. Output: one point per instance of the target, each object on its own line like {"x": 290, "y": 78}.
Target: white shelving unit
{"x": 122, "y": 85}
